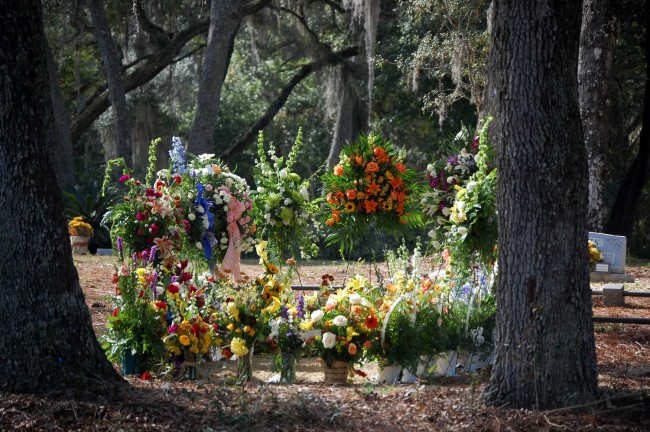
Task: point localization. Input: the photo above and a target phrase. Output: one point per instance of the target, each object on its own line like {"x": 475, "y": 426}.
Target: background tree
{"x": 544, "y": 360}
{"x": 595, "y": 79}
{"x": 631, "y": 190}
{"x": 38, "y": 350}
{"x": 112, "y": 68}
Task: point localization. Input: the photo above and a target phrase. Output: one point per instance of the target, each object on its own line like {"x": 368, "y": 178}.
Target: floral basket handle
{"x": 390, "y": 312}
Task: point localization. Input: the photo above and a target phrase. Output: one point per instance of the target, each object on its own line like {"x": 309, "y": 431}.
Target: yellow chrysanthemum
{"x": 238, "y": 347}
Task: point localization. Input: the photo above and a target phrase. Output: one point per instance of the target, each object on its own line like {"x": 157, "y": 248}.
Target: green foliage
{"x": 92, "y": 205}
{"x": 135, "y": 324}
{"x": 403, "y": 341}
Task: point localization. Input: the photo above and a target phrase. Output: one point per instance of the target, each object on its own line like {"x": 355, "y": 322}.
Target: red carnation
{"x": 173, "y": 288}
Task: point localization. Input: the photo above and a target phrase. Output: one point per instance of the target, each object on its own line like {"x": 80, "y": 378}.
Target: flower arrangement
{"x": 190, "y": 331}
{"x": 284, "y": 212}
{"x": 137, "y": 323}
{"x": 217, "y": 205}
{"x": 594, "y": 253}
{"x": 444, "y": 174}
{"x": 348, "y": 321}
{"x": 467, "y": 223}
{"x": 197, "y": 209}
{"x": 149, "y": 214}
{"x": 245, "y": 312}
{"x": 79, "y": 227}
{"x": 370, "y": 188}
{"x": 287, "y": 335}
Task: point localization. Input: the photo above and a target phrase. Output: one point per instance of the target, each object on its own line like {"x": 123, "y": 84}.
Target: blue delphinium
{"x": 178, "y": 156}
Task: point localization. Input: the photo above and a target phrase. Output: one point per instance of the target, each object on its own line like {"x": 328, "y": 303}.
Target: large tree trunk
{"x": 47, "y": 340}
{"x": 351, "y": 116}
{"x": 544, "y": 360}
{"x": 597, "y": 42}
{"x": 59, "y": 141}
{"x": 623, "y": 215}
{"x": 112, "y": 68}
{"x": 224, "y": 25}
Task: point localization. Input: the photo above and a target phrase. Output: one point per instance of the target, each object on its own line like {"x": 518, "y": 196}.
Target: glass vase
{"x": 288, "y": 371}
{"x": 245, "y": 367}
{"x": 190, "y": 366}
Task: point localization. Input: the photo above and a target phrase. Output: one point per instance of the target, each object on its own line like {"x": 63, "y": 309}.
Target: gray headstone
{"x": 613, "y": 295}
{"x": 612, "y": 249}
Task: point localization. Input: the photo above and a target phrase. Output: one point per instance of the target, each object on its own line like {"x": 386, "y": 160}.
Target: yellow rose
{"x": 184, "y": 340}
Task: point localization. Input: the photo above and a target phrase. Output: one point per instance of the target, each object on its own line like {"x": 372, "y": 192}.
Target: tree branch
{"x": 252, "y": 8}
{"x": 155, "y": 64}
{"x": 248, "y": 137}
{"x": 159, "y": 36}
{"x": 334, "y": 5}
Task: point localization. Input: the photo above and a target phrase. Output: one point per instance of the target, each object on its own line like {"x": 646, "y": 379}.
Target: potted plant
{"x": 80, "y": 232}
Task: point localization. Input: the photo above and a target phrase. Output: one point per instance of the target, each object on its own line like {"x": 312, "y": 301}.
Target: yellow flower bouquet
{"x": 79, "y": 227}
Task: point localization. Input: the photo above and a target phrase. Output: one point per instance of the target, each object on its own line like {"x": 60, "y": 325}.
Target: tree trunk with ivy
{"x": 47, "y": 340}
{"x": 545, "y": 349}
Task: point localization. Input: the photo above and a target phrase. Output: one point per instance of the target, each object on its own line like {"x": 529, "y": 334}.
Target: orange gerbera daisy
{"x": 372, "y": 322}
